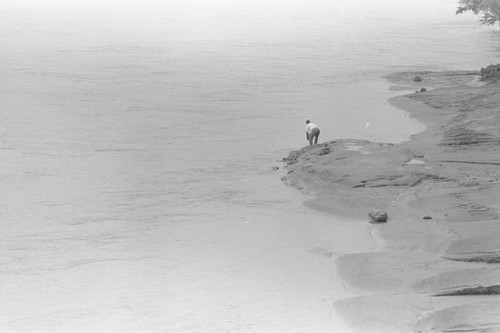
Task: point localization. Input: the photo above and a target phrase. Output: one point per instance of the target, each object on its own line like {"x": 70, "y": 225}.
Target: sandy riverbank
{"x": 437, "y": 266}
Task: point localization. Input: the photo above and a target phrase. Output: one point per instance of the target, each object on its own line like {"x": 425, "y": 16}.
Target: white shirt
{"x": 309, "y": 127}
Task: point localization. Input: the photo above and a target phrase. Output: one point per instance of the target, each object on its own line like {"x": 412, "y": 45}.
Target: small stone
{"x": 427, "y": 217}
{"x": 423, "y": 90}
{"x": 378, "y": 215}
{"x": 417, "y": 79}
{"x": 324, "y": 150}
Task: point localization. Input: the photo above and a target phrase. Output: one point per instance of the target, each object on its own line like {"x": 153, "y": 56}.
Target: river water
{"x": 139, "y": 141}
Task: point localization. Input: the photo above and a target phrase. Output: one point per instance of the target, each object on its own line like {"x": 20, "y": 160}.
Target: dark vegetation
{"x": 488, "y": 10}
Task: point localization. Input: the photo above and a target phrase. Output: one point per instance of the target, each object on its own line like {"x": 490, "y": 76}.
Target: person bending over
{"x": 312, "y": 132}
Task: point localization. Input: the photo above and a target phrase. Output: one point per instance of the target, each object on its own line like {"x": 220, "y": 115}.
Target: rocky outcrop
{"x": 450, "y": 176}
{"x": 479, "y": 316}
{"x": 476, "y": 281}
{"x": 475, "y": 249}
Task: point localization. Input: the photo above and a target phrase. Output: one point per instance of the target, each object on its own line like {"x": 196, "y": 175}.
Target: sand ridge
{"x": 437, "y": 267}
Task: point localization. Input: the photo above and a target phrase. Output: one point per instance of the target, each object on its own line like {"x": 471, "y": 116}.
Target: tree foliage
{"x": 488, "y": 10}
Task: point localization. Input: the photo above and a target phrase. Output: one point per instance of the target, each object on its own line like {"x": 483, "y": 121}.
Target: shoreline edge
{"x": 439, "y": 189}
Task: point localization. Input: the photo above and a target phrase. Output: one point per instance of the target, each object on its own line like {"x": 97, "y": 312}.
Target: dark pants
{"x": 314, "y": 135}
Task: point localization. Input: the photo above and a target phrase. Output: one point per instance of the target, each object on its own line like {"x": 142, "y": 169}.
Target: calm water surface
{"x": 138, "y": 141}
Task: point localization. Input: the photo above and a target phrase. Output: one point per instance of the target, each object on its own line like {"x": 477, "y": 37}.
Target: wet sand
{"x": 436, "y": 266}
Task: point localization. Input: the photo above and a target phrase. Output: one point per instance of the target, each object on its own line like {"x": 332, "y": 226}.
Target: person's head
{"x": 307, "y": 121}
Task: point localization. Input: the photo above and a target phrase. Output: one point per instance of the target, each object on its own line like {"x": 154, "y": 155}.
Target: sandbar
{"x": 436, "y": 269}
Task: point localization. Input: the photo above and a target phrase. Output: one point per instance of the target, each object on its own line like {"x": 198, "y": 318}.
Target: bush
{"x": 492, "y": 72}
